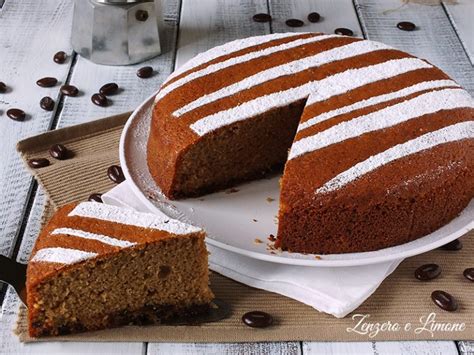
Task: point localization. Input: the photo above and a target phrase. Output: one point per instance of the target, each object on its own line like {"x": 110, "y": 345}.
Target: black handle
{"x": 13, "y": 273}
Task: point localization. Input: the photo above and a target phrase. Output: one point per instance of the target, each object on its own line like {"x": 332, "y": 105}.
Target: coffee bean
{"x": 141, "y": 15}
{"x": 257, "y": 319}
{"x": 406, "y": 26}
{"x": 69, "y": 90}
{"x": 95, "y": 197}
{"x": 38, "y": 163}
{"x": 47, "y": 82}
{"x": 293, "y": 22}
{"x": 58, "y": 151}
{"x": 455, "y": 245}
{"x": 60, "y": 57}
{"x": 47, "y": 103}
{"x": 262, "y": 17}
{"x": 16, "y": 114}
{"x": 343, "y": 31}
{"x": 444, "y": 300}
{"x": 427, "y": 272}
{"x": 469, "y": 274}
{"x": 99, "y": 100}
{"x": 109, "y": 89}
{"x": 3, "y": 87}
{"x": 145, "y": 72}
{"x": 314, "y": 17}
{"x": 115, "y": 174}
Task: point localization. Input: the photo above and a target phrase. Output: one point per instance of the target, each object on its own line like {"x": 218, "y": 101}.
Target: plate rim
{"x": 278, "y": 258}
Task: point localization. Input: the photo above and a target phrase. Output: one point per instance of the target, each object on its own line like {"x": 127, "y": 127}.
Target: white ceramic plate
{"x": 234, "y": 221}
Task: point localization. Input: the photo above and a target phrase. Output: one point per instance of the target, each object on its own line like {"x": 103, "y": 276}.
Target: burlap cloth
{"x": 401, "y": 299}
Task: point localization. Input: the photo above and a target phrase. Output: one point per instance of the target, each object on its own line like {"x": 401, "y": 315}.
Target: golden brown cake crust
{"x": 195, "y": 117}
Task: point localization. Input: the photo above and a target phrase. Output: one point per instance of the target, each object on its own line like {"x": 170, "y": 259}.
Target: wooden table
{"x": 31, "y": 31}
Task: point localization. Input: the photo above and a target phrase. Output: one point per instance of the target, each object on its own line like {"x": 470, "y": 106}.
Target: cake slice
{"x": 97, "y": 266}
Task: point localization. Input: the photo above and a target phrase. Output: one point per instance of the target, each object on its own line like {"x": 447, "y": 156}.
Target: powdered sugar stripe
{"x": 62, "y": 256}
{"x": 424, "y": 104}
{"x": 250, "y": 109}
{"x": 130, "y": 217}
{"x": 237, "y": 60}
{"x": 335, "y": 54}
{"x": 229, "y": 48}
{"x": 92, "y": 236}
{"x": 425, "y": 85}
{"x": 448, "y": 134}
{"x": 352, "y": 78}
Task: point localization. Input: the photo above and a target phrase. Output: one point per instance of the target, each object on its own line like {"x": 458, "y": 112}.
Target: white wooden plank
{"x": 334, "y": 14}
{"x": 466, "y": 347}
{"x": 381, "y": 348}
{"x": 461, "y": 13}
{"x": 274, "y": 348}
{"x": 89, "y": 77}
{"x": 209, "y": 23}
{"x": 31, "y": 32}
{"x": 434, "y": 39}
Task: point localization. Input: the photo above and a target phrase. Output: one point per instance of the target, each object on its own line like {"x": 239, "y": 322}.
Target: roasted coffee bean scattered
{"x": 427, "y": 272}
{"x": 262, "y": 17}
{"x": 59, "y": 151}
{"x": 444, "y": 300}
{"x": 16, "y": 114}
{"x": 145, "y": 72}
{"x": 38, "y": 163}
{"x": 406, "y": 26}
{"x": 47, "y": 82}
{"x": 109, "y": 89}
{"x": 343, "y": 31}
{"x": 314, "y": 17}
{"x": 99, "y": 100}
{"x": 60, "y": 57}
{"x": 95, "y": 197}
{"x": 257, "y": 319}
{"x": 293, "y": 22}
{"x": 455, "y": 245}
{"x": 141, "y": 15}
{"x": 115, "y": 174}
{"x": 3, "y": 87}
{"x": 47, "y": 103}
{"x": 69, "y": 90}
{"x": 469, "y": 274}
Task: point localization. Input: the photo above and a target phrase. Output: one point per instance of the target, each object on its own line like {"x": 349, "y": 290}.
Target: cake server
{"x": 14, "y": 274}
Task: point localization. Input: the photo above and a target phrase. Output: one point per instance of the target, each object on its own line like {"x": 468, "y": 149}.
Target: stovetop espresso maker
{"x": 117, "y": 32}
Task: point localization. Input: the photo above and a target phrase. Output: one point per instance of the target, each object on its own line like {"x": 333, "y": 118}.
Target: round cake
{"x": 376, "y": 145}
